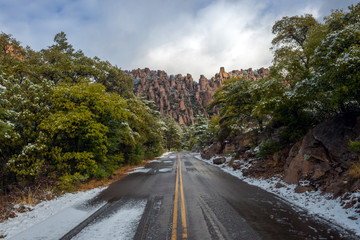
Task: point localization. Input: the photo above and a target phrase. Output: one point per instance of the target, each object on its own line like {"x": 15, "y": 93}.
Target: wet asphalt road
{"x": 214, "y": 205}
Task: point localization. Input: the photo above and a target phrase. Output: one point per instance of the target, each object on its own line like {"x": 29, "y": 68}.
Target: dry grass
{"x": 354, "y": 170}
{"x": 231, "y": 162}
{"x": 19, "y": 199}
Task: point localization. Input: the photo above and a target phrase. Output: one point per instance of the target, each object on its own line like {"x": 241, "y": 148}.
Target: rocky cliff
{"x": 180, "y": 96}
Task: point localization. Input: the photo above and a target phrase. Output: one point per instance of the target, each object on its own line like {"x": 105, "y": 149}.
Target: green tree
{"x": 199, "y": 134}
{"x": 86, "y": 121}
{"x": 26, "y": 104}
{"x": 236, "y": 101}
{"x": 287, "y": 93}
{"x": 337, "y": 61}
{"x": 172, "y": 133}
{"x": 291, "y": 61}
{"x": 145, "y": 122}
{"x": 70, "y": 117}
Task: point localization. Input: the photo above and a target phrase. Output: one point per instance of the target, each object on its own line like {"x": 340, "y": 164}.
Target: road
{"x": 188, "y": 199}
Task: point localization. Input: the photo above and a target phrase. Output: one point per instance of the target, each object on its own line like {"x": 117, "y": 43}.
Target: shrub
{"x": 68, "y": 181}
{"x": 267, "y": 148}
{"x": 354, "y": 170}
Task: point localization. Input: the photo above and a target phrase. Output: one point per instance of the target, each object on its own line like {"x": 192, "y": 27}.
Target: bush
{"x": 68, "y": 181}
{"x": 354, "y": 147}
{"x": 107, "y": 168}
{"x": 354, "y": 170}
{"x": 267, "y": 148}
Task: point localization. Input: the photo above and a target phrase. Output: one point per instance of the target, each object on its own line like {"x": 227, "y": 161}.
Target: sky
{"x": 178, "y": 36}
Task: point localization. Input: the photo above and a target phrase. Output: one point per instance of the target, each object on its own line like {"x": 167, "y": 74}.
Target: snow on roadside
{"x": 120, "y": 225}
{"x": 139, "y": 169}
{"x": 63, "y": 212}
{"x": 314, "y": 202}
{"x": 165, "y": 155}
{"x": 145, "y": 170}
{"x": 26, "y": 225}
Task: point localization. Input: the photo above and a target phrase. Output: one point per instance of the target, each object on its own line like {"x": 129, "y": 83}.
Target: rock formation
{"x": 323, "y": 157}
{"x": 180, "y": 96}
{"x": 320, "y": 161}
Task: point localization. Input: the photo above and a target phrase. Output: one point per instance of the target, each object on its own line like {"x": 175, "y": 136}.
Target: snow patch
{"x": 44, "y": 216}
{"x": 164, "y": 170}
{"x": 120, "y": 225}
{"x": 140, "y": 170}
{"x": 152, "y": 161}
{"x": 165, "y": 155}
{"x": 57, "y": 225}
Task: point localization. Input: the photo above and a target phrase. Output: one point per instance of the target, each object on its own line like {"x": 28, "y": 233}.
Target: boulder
{"x": 211, "y": 151}
{"x": 243, "y": 149}
{"x": 301, "y": 189}
{"x": 242, "y": 140}
{"x": 219, "y": 160}
{"x": 237, "y": 165}
{"x": 248, "y": 154}
{"x": 323, "y": 155}
{"x": 228, "y": 148}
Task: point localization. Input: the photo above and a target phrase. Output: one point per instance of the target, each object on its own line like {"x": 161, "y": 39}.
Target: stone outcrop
{"x": 323, "y": 158}
{"x": 211, "y": 150}
{"x": 220, "y": 160}
{"x": 320, "y": 161}
{"x": 180, "y": 96}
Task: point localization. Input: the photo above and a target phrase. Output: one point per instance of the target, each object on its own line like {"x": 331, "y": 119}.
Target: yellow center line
{"x": 183, "y": 217}
{"x": 174, "y": 223}
{"x": 176, "y": 198}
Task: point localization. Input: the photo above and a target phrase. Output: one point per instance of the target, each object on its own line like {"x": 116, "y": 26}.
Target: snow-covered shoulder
{"x": 323, "y": 205}
{"x": 63, "y": 212}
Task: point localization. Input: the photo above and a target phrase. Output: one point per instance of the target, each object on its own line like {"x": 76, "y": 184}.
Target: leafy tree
{"x": 61, "y": 63}
{"x": 291, "y": 61}
{"x": 85, "y": 122}
{"x": 199, "y": 134}
{"x": 238, "y": 101}
{"x": 336, "y": 61}
{"x": 113, "y": 78}
{"x": 26, "y": 104}
{"x": 288, "y": 94}
{"x": 69, "y": 117}
{"x": 172, "y": 133}
{"x": 144, "y": 120}
{"x": 61, "y": 44}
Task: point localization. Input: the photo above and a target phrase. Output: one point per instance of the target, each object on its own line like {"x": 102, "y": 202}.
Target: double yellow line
{"x": 175, "y": 216}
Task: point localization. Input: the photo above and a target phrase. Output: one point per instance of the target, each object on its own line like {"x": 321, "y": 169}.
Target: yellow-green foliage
{"x": 69, "y": 117}
{"x": 354, "y": 170}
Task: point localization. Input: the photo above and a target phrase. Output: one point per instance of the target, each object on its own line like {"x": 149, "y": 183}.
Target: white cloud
{"x": 187, "y": 36}
{"x": 229, "y": 34}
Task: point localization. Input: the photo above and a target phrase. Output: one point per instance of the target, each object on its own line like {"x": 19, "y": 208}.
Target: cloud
{"x": 325, "y": 7}
{"x": 188, "y": 36}
{"x": 233, "y": 34}
{"x": 221, "y": 34}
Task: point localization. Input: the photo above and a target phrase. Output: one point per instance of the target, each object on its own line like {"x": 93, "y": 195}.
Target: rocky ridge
{"x": 180, "y": 96}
